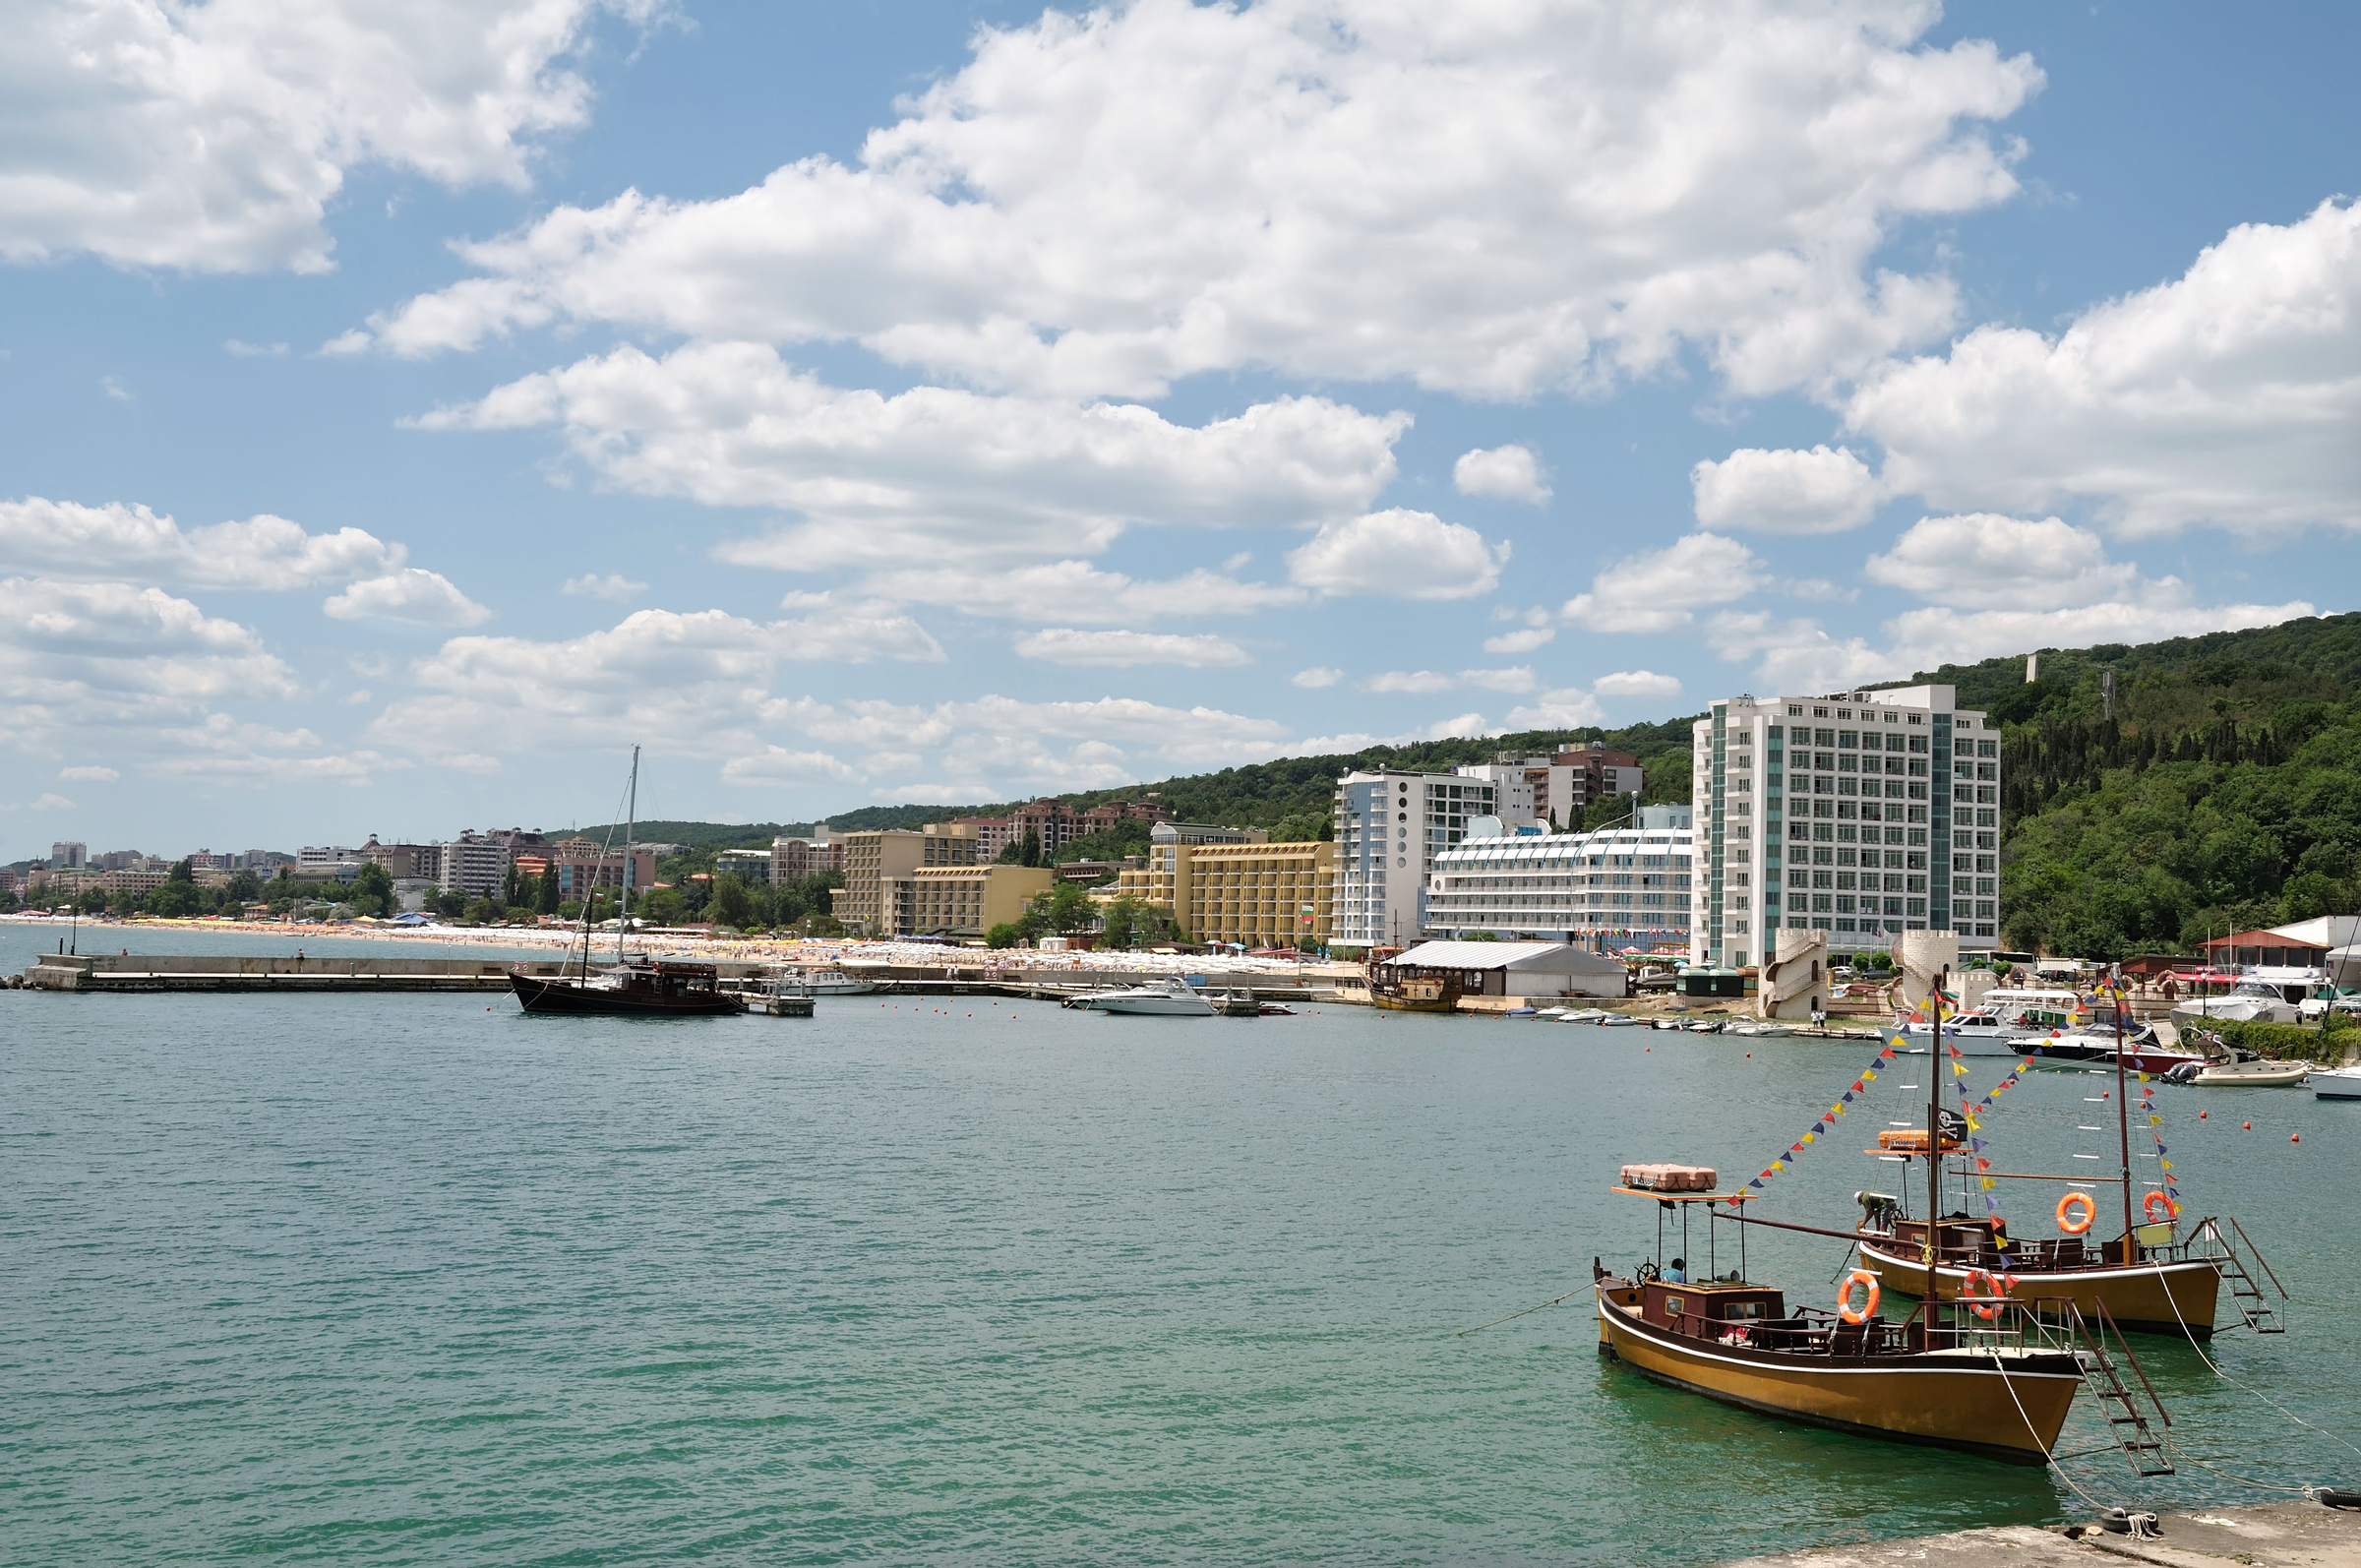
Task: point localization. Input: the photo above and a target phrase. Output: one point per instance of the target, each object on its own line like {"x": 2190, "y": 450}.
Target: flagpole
{"x": 1934, "y": 1135}
{"x": 2123, "y": 1128}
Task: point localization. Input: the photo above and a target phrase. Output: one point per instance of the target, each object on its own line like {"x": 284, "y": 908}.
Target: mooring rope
{"x": 1513, "y": 1316}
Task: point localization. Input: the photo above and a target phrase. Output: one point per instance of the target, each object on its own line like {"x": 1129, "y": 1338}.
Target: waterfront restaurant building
{"x": 1626, "y": 885}
{"x": 1860, "y": 814}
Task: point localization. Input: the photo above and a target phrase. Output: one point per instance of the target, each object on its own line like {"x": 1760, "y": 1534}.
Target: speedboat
{"x": 1172, "y": 999}
{"x": 2245, "y": 1072}
{"x": 2143, "y": 1051}
{"x": 1616, "y": 1020}
{"x": 2337, "y": 1083}
{"x": 1763, "y": 1029}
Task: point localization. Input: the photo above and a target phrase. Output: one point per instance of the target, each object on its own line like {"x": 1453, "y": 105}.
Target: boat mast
{"x": 631, "y": 813}
{"x": 2123, "y": 1128}
{"x": 1934, "y": 1131}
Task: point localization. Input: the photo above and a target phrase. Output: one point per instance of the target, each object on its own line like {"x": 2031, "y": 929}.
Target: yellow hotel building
{"x": 1261, "y": 895}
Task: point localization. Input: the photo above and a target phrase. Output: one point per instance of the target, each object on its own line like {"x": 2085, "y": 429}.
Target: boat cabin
{"x": 1697, "y": 1309}
{"x": 2027, "y": 1008}
{"x": 664, "y": 977}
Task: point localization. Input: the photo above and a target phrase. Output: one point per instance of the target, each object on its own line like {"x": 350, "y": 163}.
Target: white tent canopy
{"x": 1520, "y": 969}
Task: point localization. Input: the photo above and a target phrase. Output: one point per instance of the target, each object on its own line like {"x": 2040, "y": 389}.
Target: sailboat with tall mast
{"x": 636, "y": 987}
{"x": 2155, "y": 1276}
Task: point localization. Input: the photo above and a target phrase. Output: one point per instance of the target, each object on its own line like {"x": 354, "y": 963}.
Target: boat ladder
{"x": 2245, "y": 1294}
{"x": 2141, "y": 1442}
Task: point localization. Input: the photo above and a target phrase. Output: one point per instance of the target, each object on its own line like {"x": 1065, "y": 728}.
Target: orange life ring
{"x": 2089, "y": 1208}
{"x": 1984, "y": 1304}
{"x": 2156, "y": 1198}
{"x": 1846, "y": 1311}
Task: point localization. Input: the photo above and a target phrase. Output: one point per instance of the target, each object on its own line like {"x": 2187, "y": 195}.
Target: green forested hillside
{"x": 2224, "y": 793}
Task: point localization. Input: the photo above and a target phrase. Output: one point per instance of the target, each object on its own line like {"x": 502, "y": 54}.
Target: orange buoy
{"x": 2295, "y": 1137}
{"x": 2247, "y": 1125}
{"x": 2201, "y": 1116}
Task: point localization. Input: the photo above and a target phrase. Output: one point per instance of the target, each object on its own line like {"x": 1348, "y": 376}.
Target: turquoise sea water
{"x": 417, "y": 1280}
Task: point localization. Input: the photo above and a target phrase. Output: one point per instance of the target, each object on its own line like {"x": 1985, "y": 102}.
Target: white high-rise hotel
{"x": 1862, "y": 814}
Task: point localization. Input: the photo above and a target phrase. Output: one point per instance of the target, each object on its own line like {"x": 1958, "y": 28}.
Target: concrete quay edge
{"x": 2286, "y": 1534}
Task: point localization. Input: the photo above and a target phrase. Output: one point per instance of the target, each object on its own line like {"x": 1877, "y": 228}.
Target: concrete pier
{"x": 2288, "y": 1534}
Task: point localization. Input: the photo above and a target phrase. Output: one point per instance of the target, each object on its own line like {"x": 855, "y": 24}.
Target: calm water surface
{"x": 418, "y": 1279}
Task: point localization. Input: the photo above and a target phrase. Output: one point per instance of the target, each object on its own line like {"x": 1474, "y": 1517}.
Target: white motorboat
{"x": 2249, "y": 1001}
{"x": 1170, "y": 1001}
{"x": 2018, "y": 1011}
{"x": 2251, "y": 1072}
{"x": 1619, "y": 1020}
{"x": 1983, "y": 1033}
{"x": 1584, "y": 1015}
{"x": 2337, "y": 1083}
{"x": 822, "y": 982}
{"x": 1763, "y": 1029}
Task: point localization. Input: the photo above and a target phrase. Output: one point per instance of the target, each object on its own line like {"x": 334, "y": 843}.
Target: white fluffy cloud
{"x": 422, "y": 598}
{"x": 934, "y": 472}
{"x": 1522, "y": 641}
{"x": 1398, "y": 553}
{"x": 213, "y": 137}
{"x": 1660, "y": 590}
{"x": 65, "y": 539}
{"x": 1637, "y": 684}
{"x": 590, "y": 585}
{"x": 1317, "y": 677}
{"x": 2228, "y": 396}
{"x": 692, "y": 681}
{"x": 111, "y": 651}
{"x": 1985, "y": 562}
{"x": 1516, "y": 679}
{"x": 1074, "y": 590}
{"x": 1117, "y": 649}
{"x": 90, "y": 775}
{"x": 1801, "y": 657}
{"x": 1820, "y": 491}
{"x": 1506, "y": 200}
{"x": 1507, "y": 473}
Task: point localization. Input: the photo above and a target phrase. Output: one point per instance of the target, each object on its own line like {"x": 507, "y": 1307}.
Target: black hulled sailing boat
{"x": 638, "y": 987}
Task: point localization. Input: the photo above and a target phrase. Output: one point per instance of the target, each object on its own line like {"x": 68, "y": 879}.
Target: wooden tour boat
{"x": 2152, "y": 1277}
{"x": 1945, "y": 1376}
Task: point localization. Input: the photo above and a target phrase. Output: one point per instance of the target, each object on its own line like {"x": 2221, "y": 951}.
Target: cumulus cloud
{"x": 1659, "y": 590}
{"x": 1507, "y": 473}
{"x": 1820, "y": 491}
{"x": 692, "y": 682}
{"x": 224, "y": 750}
{"x": 53, "y": 803}
{"x": 1317, "y": 677}
{"x": 91, "y": 775}
{"x": 423, "y": 598}
{"x": 1801, "y": 655}
{"x": 1522, "y": 198}
{"x": 65, "y": 539}
{"x": 1116, "y": 649}
{"x": 1566, "y": 708}
{"x": 590, "y": 585}
{"x": 1637, "y": 684}
{"x": 934, "y": 472}
{"x": 1398, "y": 553}
{"x": 2228, "y": 396}
{"x": 1075, "y": 589}
{"x": 1522, "y": 641}
{"x": 776, "y": 764}
{"x": 1982, "y": 561}
{"x": 100, "y": 652}
{"x": 214, "y": 137}
{"x": 1516, "y": 679}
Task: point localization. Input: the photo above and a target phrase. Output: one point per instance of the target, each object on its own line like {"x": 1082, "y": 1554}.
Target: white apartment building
{"x": 1551, "y": 789}
{"x": 1389, "y": 828}
{"x": 1622, "y": 886}
{"x": 1860, "y": 814}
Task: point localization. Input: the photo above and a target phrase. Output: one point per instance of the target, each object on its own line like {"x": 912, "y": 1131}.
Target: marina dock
{"x": 2289, "y": 1535}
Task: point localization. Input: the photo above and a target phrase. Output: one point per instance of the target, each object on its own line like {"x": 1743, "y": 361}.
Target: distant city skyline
{"x": 965, "y": 402}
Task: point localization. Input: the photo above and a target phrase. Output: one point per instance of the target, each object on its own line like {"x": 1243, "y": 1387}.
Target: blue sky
{"x": 411, "y": 408}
